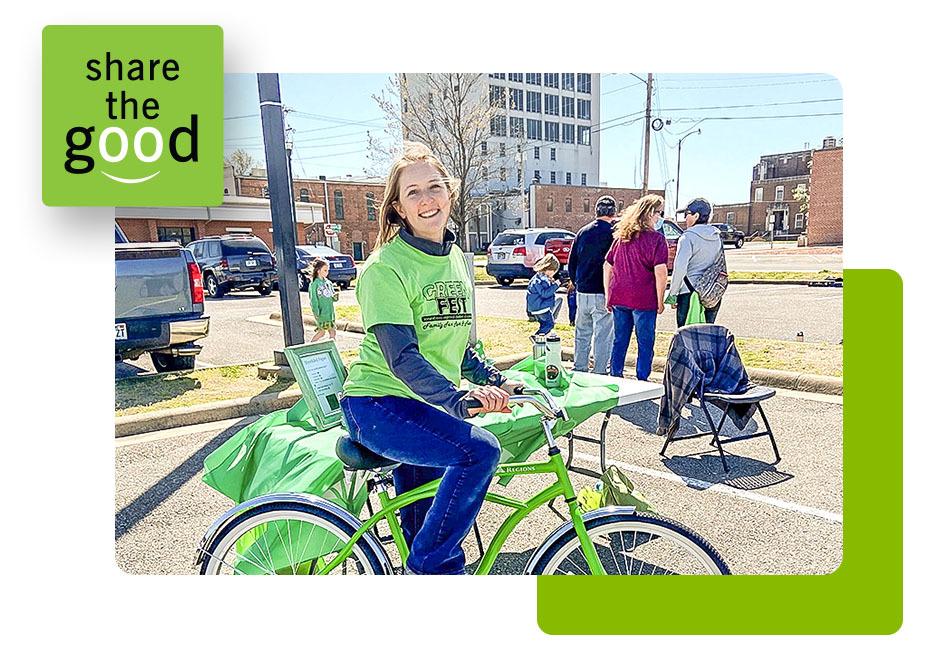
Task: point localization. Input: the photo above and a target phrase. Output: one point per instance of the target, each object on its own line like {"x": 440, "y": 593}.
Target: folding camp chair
{"x": 756, "y": 395}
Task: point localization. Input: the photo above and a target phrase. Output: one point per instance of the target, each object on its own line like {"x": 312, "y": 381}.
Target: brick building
{"x": 572, "y": 207}
{"x": 732, "y": 214}
{"x": 772, "y": 201}
{"x": 825, "y": 215}
{"x": 351, "y": 203}
{"x": 186, "y": 224}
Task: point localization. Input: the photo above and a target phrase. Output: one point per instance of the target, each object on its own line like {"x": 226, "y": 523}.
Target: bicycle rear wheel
{"x": 631, "y": 544}
{"x": 288, "y": 538}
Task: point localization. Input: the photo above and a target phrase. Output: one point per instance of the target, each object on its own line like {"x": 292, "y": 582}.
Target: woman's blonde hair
{"x": 632, "y": 221}
{"x": 390, "y": 220}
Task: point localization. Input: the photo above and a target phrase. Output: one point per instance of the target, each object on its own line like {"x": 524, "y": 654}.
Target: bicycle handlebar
{"x": 546, "y": 405}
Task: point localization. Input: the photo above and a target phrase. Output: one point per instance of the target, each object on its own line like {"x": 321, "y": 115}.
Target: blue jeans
{"x": 430, "y": 444}
{"x": 625, "y": 320}
{"x": 682, "y": 309}
{"x": 593, "y": 320}
{"x": 572, "y": 305}
{"x": 546, "y": 320}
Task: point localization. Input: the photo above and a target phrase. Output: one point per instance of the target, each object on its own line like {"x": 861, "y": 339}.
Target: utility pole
{"x": 646, "y": 139}
{"x": 280, "y": 205}
{"x": 698, "y": 131}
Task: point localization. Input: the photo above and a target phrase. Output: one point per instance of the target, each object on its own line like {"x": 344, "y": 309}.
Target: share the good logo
{"x": 132, "y": 115}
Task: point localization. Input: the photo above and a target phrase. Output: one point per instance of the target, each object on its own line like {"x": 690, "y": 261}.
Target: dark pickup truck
{"x": 158, "y": 304}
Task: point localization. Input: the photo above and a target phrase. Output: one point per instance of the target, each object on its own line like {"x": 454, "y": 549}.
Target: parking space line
{"x": 829, "y": 516}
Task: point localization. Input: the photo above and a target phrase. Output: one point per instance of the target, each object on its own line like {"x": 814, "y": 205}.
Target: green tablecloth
{"x": 283, "y": 452}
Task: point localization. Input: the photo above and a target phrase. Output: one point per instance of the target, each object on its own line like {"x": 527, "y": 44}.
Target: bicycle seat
{"x": 356, "y": 456}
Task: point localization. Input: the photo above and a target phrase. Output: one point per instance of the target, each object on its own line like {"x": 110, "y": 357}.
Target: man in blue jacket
{"x": 586, "y": 265}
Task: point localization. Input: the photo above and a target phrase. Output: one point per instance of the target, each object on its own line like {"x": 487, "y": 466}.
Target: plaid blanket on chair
{"x": 702, "y": 358}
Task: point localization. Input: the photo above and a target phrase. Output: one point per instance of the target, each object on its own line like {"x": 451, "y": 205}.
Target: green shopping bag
{"x": 696, "y": 310}
{"x": 618, "y": 490}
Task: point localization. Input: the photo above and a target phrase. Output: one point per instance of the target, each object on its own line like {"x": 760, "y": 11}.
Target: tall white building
{"x": 546, "y": 134}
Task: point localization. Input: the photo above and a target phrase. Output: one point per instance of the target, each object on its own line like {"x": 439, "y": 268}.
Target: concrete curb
{"x": 265, "y": 403}
{"x": 160, "y": 420}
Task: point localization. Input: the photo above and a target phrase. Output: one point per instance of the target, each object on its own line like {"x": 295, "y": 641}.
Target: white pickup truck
{"x": 158, "y": 304}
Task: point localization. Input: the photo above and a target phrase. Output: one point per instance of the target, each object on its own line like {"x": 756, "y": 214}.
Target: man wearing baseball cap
{"x": 696, "y": 251}
{"x": 586, "y": 267}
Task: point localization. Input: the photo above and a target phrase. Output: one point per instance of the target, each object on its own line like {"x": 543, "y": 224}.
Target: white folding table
{"x": 629, "y": 390}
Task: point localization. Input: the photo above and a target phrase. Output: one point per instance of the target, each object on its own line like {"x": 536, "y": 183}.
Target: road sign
{"x": 329, "y": 230}
{"x": 335, "y": 227}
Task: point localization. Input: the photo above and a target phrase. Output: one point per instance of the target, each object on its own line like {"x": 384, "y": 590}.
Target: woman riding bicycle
{"x": 402, "y": 398}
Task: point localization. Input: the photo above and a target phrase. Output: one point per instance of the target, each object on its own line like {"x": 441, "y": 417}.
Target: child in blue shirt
{"x": 540, "y": 301}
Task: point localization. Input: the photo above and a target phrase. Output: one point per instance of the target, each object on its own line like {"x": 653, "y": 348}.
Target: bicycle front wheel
{"x": 285, "y": 538}
{"x": 632, "y": 543}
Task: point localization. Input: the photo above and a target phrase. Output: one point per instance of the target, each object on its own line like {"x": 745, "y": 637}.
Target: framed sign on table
{"x": 320, "y": 374}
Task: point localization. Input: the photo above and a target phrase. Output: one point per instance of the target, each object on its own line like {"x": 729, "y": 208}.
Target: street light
{"x": 665, "y": 188}
{"x": 679, "y": 158}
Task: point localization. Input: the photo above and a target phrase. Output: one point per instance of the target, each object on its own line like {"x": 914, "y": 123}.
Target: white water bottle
{"x": 552, "y": 361}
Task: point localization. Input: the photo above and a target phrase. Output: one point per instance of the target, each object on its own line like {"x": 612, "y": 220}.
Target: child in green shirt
{"x": 322, "y": 295}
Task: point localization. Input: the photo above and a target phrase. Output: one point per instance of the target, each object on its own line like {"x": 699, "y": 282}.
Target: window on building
{"x": 498, "y": 126}
{"x": 518, "y": 175}
{"x": 554, "y": 177}
{"x": 567, "y": 133}
{"x": 485, "y": 173}
{"x": 496, "y": 96}
{"x": 516, "y": 127}
{"x": 371, "y": 206}
{"x": 533, "y": 102}
{"x": 567, "y": 82}
{"x": 182, "y": 235}
{"x": 503, "y": 174}
{"x": 515, "y": 77}
{"x": 583, "y": 178}
{"x": 533, "y": 78}
{"x": 551, "y": 80}
{"x": 583, "y": 109}
{"x": 798, "y": 220}
{"x": 537, "y": 176}
{"x": 567, "y": 106}
{"x": 759, "y": 194}
{"x": 534, "y": 129}
{"x": 516, "y": 99}
{"x": 551, "y": 131}
{"x": 730, "y": 217}
{"x": 484, "y": 148}
{"x": 537, "y": 152}
{"x": 502, "y": 149}
{"x": 584, "y": 83}
{"x": 587, "y": 205}
{"x": 554, "y": 154}
{"x": 567, "y": 204}
{"x": 802, "y": 187}
{"x": 498, "y": 76}
{"x": 567, "y": 178}
{"x": 551, "y": 104}
{"x": 339, "y": 205}
{"x": 584, "y": 135}
{"x": 265, "y": 192}
{"x": 551, "y": 204}
{"x": 303, "y": 195}
{"x": 779, "y": 194}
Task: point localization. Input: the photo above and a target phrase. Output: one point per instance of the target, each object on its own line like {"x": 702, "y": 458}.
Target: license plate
{"x": 121, "y": 331}
{"x": 250, "y": 262}
{"x": 501, "y": 256}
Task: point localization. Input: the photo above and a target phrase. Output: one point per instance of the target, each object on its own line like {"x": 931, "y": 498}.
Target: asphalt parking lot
{"x": 763, "y": 518}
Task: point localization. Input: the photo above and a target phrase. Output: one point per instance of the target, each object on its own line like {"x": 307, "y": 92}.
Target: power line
{"x": 821, "y": 114}
{"x": 796, "y": 82}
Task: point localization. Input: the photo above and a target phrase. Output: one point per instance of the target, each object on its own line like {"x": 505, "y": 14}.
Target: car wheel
{"x": 164, "y": 362}
{"x": 739, "y": 242}
{"x": 264, "y": 289}
{"x": 214, "y": 290}
{"x": 504, "y": 281}
{"x": 303, "y": 282}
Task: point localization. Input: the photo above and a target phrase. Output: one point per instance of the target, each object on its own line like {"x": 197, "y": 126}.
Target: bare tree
{"x": 242, "y": 162}
{"x": 453, "y": 114}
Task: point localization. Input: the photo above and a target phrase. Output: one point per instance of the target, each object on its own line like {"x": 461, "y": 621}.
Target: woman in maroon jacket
{"x": 635, "y": 281}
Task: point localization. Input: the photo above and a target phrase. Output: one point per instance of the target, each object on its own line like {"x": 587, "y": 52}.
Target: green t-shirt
{"x": 321, "y": 295}
{"x": 404, "y": 286}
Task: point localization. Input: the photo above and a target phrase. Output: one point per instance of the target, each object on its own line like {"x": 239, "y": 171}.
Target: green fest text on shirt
{"x": 403, "y": 286}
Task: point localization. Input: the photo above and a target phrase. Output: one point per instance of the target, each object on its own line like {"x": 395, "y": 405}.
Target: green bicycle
{"x": 291, "y": 533}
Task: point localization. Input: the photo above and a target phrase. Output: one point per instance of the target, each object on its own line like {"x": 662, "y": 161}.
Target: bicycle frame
{"x": 521, "y": 510}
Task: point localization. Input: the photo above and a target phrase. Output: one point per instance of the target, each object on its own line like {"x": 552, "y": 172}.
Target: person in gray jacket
{"x": 696, "y": 251}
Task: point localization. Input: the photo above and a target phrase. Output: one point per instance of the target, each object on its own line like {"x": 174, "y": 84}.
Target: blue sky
{"x": 333, "y": 113}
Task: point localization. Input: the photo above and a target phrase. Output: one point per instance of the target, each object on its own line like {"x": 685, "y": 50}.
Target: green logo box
{"x": 864, "y": 595}
{"x": 133, "y": 115}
